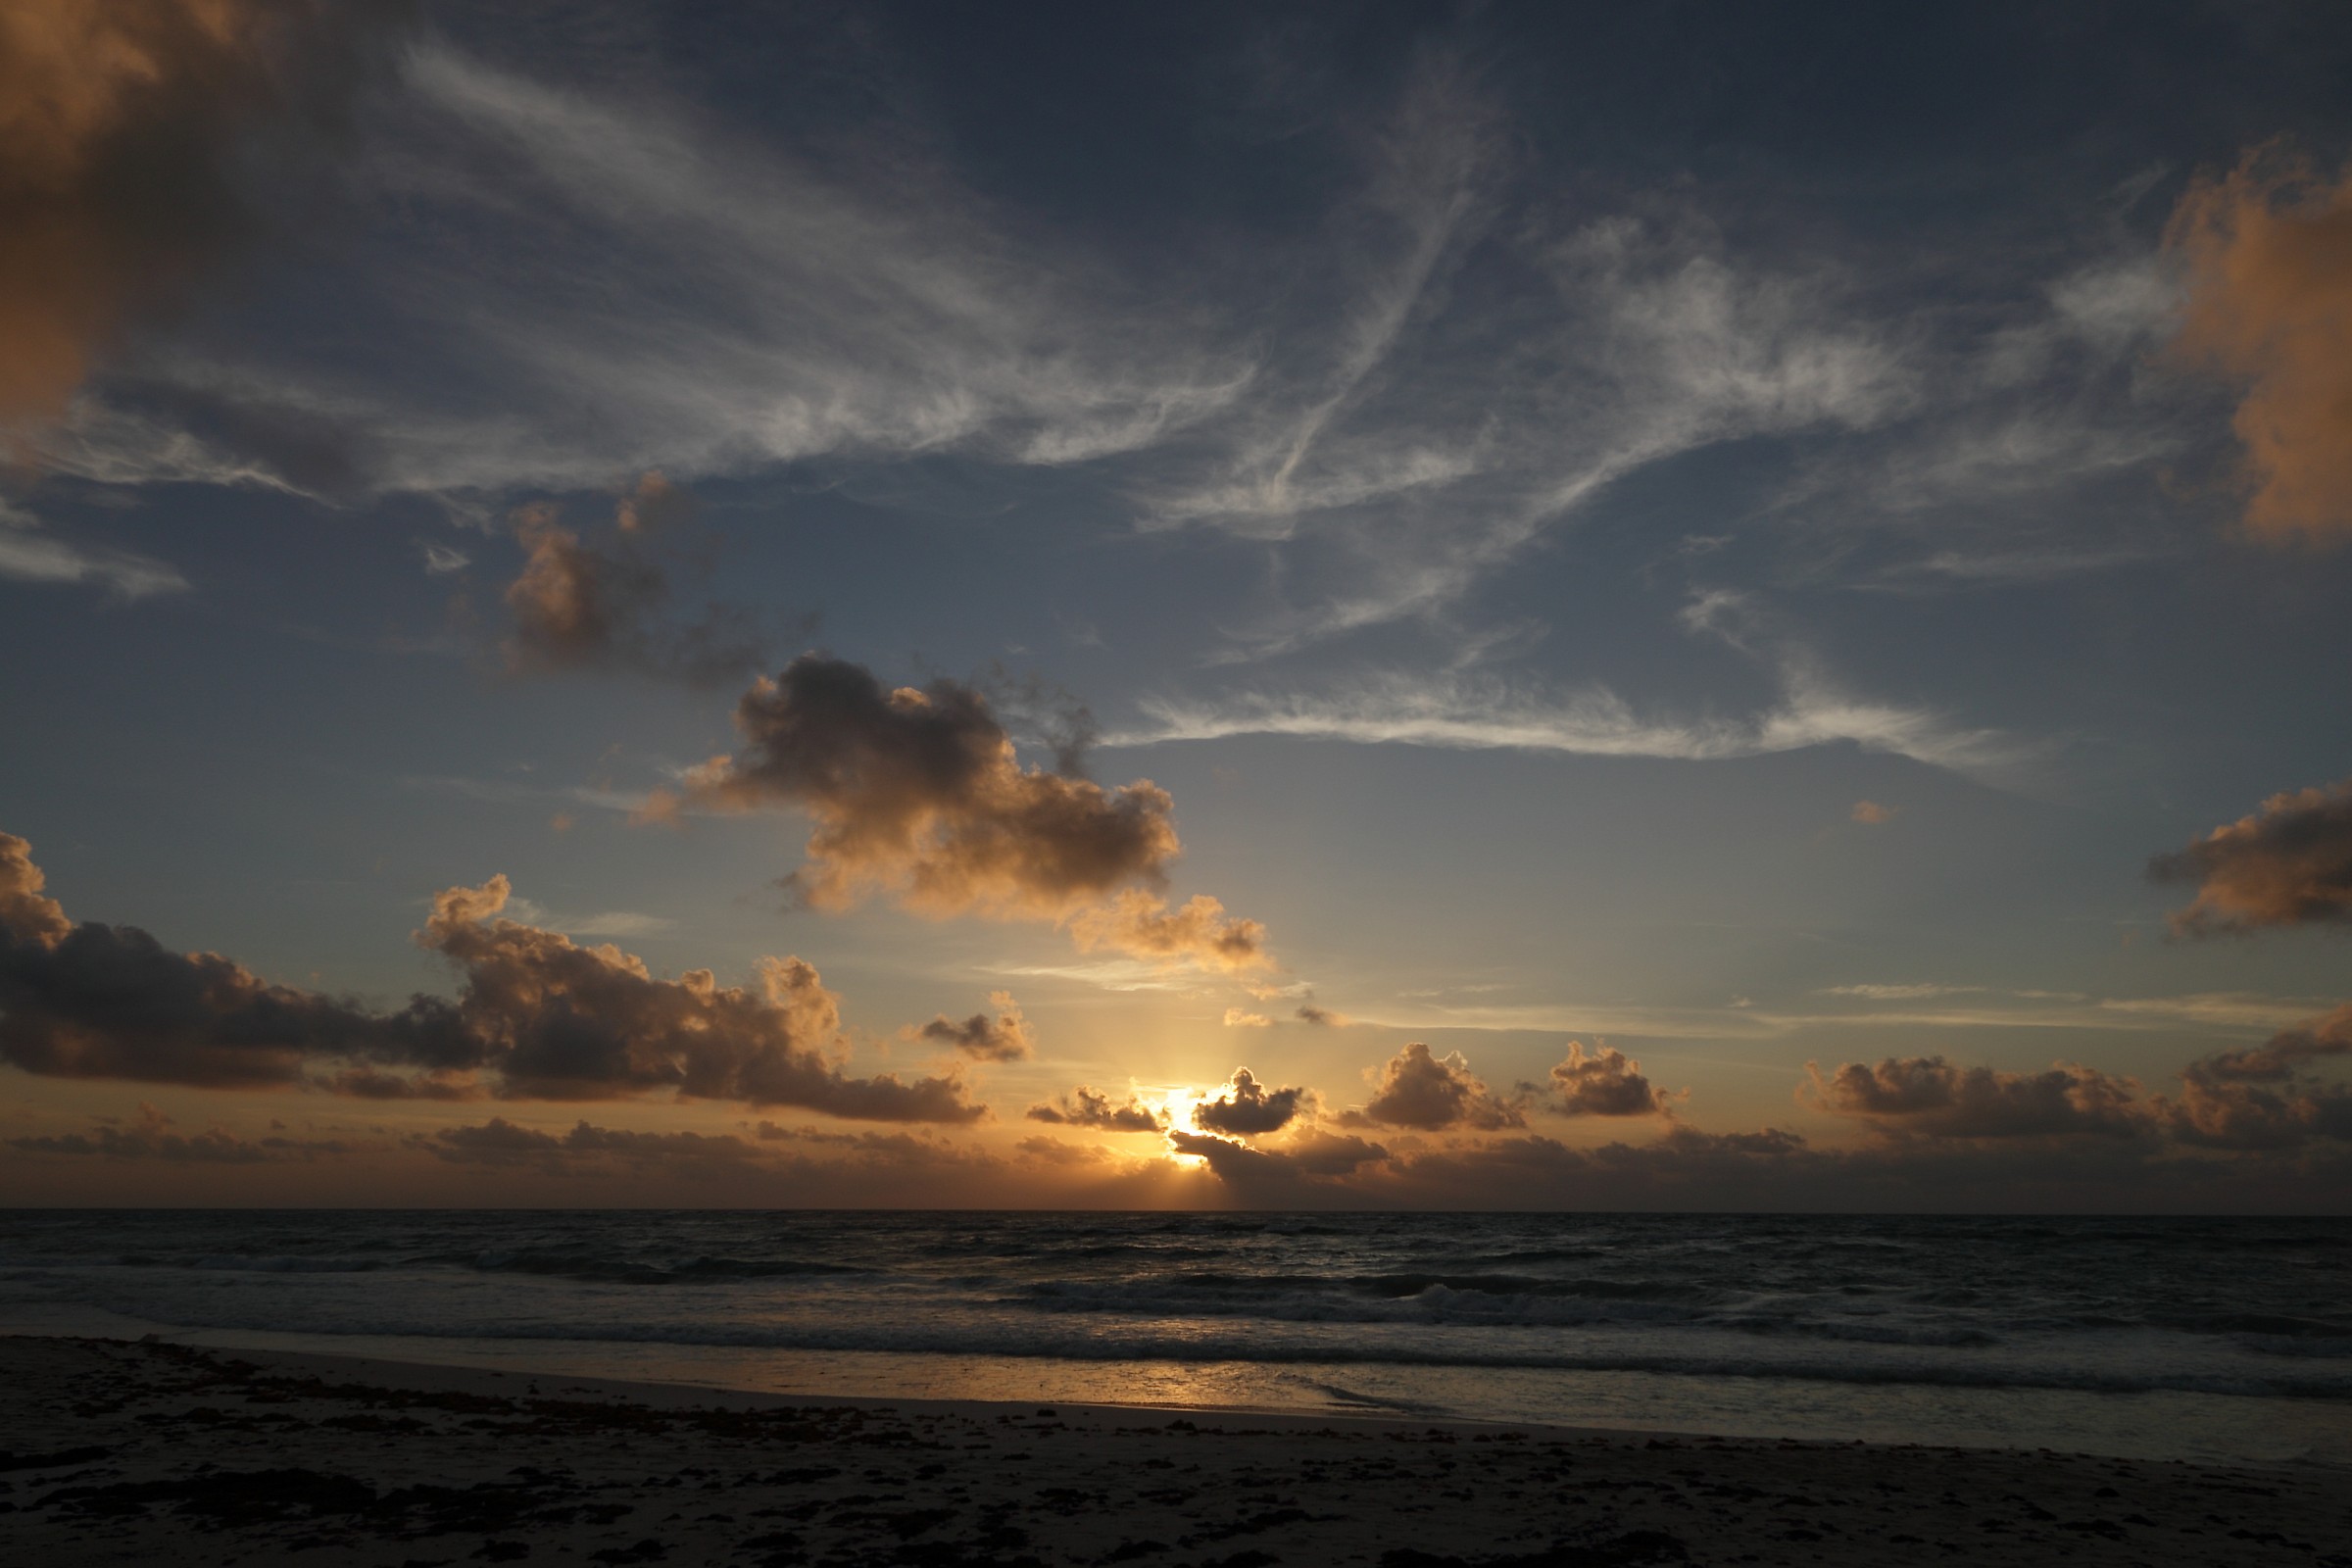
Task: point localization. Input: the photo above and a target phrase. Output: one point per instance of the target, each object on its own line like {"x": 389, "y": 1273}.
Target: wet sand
{"x": 163, "y": 1455}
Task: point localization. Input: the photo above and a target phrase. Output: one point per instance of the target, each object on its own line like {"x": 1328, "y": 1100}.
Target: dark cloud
{"x": 1431, "y": 1092}
{"x": 539, "y": 1017}
{"x": 2269, "y": 248}
{"x": 499, "y": 1142}
{"x": 919, "y": 792}
{"x": 1089, "y": 1107}
{"x": 1607, "y": 1083}
{"x": 2289, "y": 864}
{"x": 1319, "y": 1156}
{"x": 562, "y": 1022}
{"x": 1004, "y": 1038}
{"x": 149, "y": 1136}
{"x": 91, "y": 1000}
{"x": 1247, "y": 1108}
{"x": 1322, "y": 1017}
{"x": 124, "y": 127}
{"x": 1929, "y": 1095}
{"x": 578, "y": 605}
{"x": 2260, "y": 1097}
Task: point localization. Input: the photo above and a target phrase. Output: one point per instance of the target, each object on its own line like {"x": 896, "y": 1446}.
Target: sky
{"x": 1586, "y": 607}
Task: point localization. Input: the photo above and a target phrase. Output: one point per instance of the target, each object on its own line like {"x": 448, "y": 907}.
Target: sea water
{"x": 2213, "y": 1338}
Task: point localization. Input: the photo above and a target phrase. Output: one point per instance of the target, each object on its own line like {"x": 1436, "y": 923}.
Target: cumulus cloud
{"x": 500, "y": 1142}
{"x": 123, "y": 125}
{"x": 1929, "y": 1095}
{"x": 150, "y": 1135}
{"x": 539, "y": 1016}
{"x": 578, "y": 604}
{"x": 1004, "y": 1038}
{"x": 1415, "y": 1088}
{"x": 1322, "y": 1017}
{"x": 1870, "y": 813}
{"x": 1607, "y": 1083}
{"x": 1317, "y": 1155}
{"x": 920, "y": 793}
{"x": 93, "y": 1000}
{"x": 559, "y": 1020}
{"x": 1140, "y": 925}
{"x": 2288, "y": 863}
{"x": 1245, "y": 1108}
{"x": 2269, "y": 250}
{"x": 2261, "y": 1096}
{"x": 1244, "y": 1018}
{"x": 1083, "y": 1107}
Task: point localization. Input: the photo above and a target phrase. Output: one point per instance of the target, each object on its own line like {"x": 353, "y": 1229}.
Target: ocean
{"x": 2205, "y": 1338}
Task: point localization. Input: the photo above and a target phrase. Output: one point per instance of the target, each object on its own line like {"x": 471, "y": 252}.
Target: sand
{"x": 162, "y": 1454}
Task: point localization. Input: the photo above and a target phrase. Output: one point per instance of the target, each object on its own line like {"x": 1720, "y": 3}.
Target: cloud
{"x": 1322, "y": 1017}
{"x": 1199, "y": 932}
{"x": 1607, "y": 1083}
{"x": 1417, "y": 1090}
{"x": 1247, "y": 1107}
{"x": 1317, "y": 1155}
{"x": 1929, "y": 1095}
{"x": 2288, "y": 863}
{"x": 30, "y": 555}
{"x": 500, "y": 1142}
{"x": 1244, "y": 1018}
{"x": 2268, "y": 252}
{"x": 2258, "y": 1097}
{"x": 577, "y": 606}
{"x": 1091, "y": 1108}
{"x": 539, "y": 1016}
{"x": 1870, "y": 813}
{"x": 150, "y": 1137}
{"x": 562, "y": 1022}
{"x": 919, "y": 793}
{"x": 125, "y": 126}
{"x": 91, "y": 1000}
{"x": 1469, "y": 712}
{"x": 922, "y": 794}
{"x": 1004, "y": 1038}
{"x": 1899, "y": 992}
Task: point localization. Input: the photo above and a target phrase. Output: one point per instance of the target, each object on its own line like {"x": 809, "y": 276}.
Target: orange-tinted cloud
{"x": 2261, "y": 1097}
{"x": 561, "y": 1021}
{"x": 1430, "y": 1092}
{"x": 1607, "y": 1083}
{"x": 919, "y": 793}
{"x": 2289, "y": 864}
{"x": 2269, "y": 249}
{"x": 1199, "y": 932}
{"x": 540, "y": 1017}
{"x": 1322, "y": 1017}
{"x": 120, "y": 123}
{"x": 1870, "y": 813}
{"x": 1004, "y": 1038}
{"x": 150, "y": 1135}
{"x": 1091, "y": 1108}
{"x": 578, "y": 605}
{"x": 1929, "y": 1095}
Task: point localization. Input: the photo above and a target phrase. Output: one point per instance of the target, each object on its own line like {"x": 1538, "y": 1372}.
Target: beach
{"x": 157, "y": 1452}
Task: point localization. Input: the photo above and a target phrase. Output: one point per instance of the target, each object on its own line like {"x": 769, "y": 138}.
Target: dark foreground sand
{"x": 160, "y": 1454}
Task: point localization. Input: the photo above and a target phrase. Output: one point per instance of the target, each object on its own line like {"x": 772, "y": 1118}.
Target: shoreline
{"x": 162, "y": 1452}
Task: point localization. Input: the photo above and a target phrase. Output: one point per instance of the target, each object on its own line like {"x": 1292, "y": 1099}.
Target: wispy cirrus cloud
{"x": 29, "y": 553}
